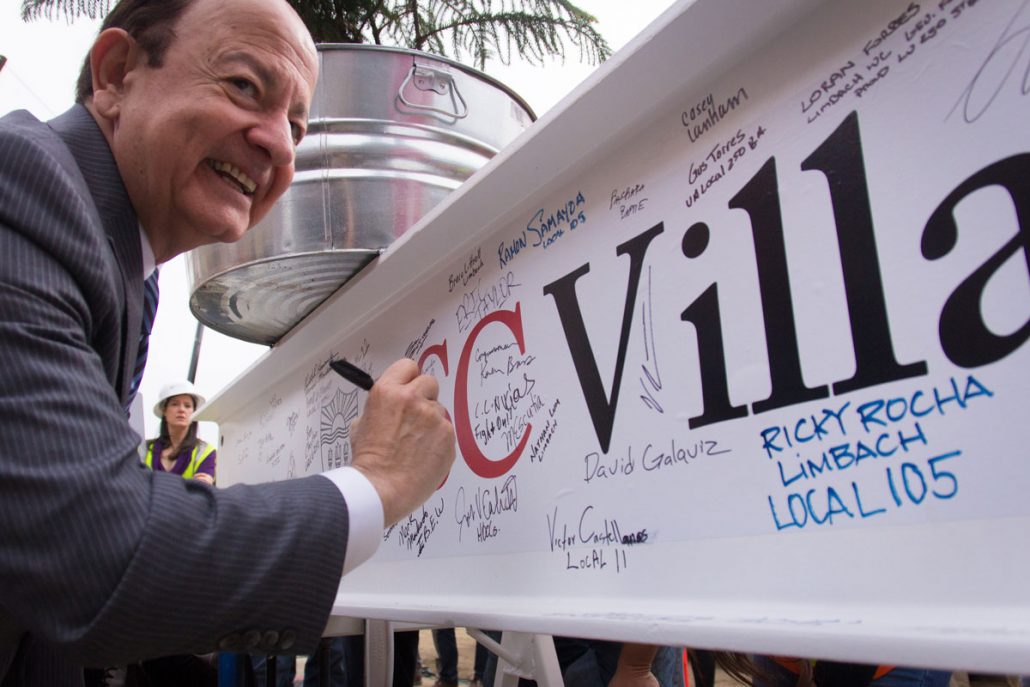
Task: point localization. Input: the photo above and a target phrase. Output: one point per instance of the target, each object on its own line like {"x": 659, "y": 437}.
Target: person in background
{"x": 286, "y": 667}
{"x": 446, "y": 645}
{"x": 962, "y": 678}
{"x": 184, "y": 132}
{"x": 479, "y": 665}
{"x": 405, "y": 658}
{"x": 702, "y": 667}
{"x": 446, "y": 657}
{"x": 635, "y": 667}
{"x": 285, "y": 670}
{"x": 598, "y": 663}
{"x": 787, "y": 672}
{"x": 178, "y": 449}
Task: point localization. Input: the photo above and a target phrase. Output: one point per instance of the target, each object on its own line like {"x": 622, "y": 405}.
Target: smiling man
{"x": 188, "y": 115}
{"x": 205, "y": 139}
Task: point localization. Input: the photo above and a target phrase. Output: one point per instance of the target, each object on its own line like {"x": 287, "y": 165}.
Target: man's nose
{"x": 274, "y": 135}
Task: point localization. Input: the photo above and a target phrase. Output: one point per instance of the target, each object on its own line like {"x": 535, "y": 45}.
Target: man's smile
{"x": 235, "y": 175}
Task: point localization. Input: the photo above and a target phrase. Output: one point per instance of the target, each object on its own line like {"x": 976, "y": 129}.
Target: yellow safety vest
{"x": 200, "y": 453}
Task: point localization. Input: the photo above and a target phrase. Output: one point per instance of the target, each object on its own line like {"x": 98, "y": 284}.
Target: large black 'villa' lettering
{"x": 760, "y": 199}
{"x": 964, "y": 336}
{"x": 703, "y": 313}
{"x": 602, "y": 409}
{"x": 840, "y": 159}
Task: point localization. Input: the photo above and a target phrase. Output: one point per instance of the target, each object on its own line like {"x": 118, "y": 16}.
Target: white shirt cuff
{"x": 364, "y": 511}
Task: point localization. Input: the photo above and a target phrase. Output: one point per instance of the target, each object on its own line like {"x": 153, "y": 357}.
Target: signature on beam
{"x": 651, "y": 377}
{"x": 996, "y": 69}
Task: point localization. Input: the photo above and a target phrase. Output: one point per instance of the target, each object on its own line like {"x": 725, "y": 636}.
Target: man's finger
{"x": 400, "y": 372}
{"x": 428, "y": 386}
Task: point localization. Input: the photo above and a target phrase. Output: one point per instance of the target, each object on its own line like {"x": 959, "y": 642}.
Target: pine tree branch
{"x": 531, "y": 29}
{"x": 32, "y": 10}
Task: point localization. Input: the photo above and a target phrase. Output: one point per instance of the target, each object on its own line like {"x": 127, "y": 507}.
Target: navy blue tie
{"x": 150, "y": 295}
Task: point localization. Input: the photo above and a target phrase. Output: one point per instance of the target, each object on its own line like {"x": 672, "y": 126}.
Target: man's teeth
{"x": 247, "y": 185}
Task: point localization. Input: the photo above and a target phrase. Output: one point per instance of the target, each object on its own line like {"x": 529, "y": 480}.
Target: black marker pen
{"x": 353, "y": 374}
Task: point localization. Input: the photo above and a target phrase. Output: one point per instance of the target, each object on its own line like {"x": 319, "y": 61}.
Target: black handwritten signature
{"x": 479, "y": 301}
{"x": 414, "y": 533}
{"x": 992, "y": 75}
{"x": 486, "y": 503}
{"x": 651, "y": 376}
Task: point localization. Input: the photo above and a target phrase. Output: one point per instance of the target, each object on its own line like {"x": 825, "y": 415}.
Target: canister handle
{"x": 429, "y": 79}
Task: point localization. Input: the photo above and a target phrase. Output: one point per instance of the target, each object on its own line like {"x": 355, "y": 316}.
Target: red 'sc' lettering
{"x": 476, "y": 459}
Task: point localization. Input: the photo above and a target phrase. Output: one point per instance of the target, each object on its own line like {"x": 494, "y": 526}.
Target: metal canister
{"x": 391, "y": 132}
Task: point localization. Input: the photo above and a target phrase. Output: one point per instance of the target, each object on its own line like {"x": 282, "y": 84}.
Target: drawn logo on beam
{"x": 334, "y": 434}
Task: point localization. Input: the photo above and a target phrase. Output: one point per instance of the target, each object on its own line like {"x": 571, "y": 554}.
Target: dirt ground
{"x": 467, "y": 654}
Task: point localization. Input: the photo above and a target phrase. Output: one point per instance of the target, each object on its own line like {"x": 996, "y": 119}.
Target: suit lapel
{"x": 132, "y": 282}
{"x": 93, "y": 156}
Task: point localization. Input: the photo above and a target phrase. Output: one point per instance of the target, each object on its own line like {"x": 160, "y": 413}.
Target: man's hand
{"x": 404, "y": 441}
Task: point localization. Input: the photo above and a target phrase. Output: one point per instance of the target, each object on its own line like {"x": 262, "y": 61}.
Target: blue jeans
{"x": 337, "y": 670}
{"x": 447, "y": 653}
{"x": 286, "y": 668}
{"x": 482, "y": 654}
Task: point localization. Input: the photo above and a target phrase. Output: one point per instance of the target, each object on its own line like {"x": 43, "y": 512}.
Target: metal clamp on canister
{"x": 424, "y": 79}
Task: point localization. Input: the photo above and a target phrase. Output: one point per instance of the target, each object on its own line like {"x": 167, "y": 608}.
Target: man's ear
{"x": 113, "y": 56}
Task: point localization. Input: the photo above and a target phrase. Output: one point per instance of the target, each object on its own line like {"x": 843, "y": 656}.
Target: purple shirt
{"x": 182, "y": 461}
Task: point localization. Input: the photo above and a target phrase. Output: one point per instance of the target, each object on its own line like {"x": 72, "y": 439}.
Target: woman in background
{"x": 177, "y": 449}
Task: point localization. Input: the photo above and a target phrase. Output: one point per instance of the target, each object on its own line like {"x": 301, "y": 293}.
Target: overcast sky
{"x": 43, "y": 60}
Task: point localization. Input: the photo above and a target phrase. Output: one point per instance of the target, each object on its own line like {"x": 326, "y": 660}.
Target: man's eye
{"x": 245, "y": 86}
{"x": 297, "y": 131}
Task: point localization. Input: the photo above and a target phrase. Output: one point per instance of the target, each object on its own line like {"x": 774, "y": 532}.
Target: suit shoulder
{"x": 34, "y": 162}
{"x": 44, "y": 197}
{"x": 24, "y": 135}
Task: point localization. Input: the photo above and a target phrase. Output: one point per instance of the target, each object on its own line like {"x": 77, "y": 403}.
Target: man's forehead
{"x": 272, "y": 41}
{"x": 262, "y": 19}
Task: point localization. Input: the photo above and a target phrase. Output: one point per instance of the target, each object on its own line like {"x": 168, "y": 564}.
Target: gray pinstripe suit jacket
{"x": 103, "y": 562}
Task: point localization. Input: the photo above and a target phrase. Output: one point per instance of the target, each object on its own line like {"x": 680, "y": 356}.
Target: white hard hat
{"x": 176, "y": 389}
